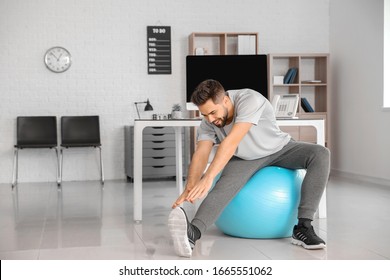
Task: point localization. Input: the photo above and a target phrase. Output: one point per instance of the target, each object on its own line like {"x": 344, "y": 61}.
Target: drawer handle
{"x": 157, "y": 127}
{"x": 158, "y": 157}
{"x": 158, "y": 141}
{"x": 159, "y": 134}
{"x": 158, "y": 149}
{"x": 158, "y": 166}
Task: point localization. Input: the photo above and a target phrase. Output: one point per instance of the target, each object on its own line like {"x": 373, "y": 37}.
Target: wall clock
{"x": 58, "y": 59}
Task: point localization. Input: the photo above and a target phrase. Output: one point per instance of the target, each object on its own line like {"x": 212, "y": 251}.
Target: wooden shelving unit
{"x": 218, "y": 43}
{"x": 312, "y": 82}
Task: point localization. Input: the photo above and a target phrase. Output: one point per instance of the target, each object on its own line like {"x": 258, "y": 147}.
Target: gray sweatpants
{"x": 295, "y": 155}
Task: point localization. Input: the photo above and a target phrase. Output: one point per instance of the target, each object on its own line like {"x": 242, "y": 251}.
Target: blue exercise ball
{"x": 266, "y": 207}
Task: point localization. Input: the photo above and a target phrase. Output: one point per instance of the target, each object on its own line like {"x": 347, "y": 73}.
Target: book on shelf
{"x": 312, "y": 82}
{"x": 306, "y": 105}
{"x": 290, "y": 75}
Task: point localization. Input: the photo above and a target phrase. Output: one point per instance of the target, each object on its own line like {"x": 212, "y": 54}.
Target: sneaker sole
{"x": 308, "y": 247}
{"x": 177, "y": 224}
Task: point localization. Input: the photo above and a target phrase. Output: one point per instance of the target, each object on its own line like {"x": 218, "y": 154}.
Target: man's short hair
{"x": 208, "y": 89}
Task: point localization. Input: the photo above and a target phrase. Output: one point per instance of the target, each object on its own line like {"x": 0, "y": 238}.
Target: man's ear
{"x": 225, "y": 100}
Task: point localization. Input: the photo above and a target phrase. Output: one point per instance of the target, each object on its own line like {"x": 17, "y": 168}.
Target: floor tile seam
{"x": 377, "y": 253}
{"x": 261, "y": 252}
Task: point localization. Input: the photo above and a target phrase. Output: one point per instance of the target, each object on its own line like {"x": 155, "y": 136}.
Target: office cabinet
{"x": 158, "y": 151}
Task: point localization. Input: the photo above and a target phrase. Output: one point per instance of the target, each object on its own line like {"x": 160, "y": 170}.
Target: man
{"x": 243, "y": 123}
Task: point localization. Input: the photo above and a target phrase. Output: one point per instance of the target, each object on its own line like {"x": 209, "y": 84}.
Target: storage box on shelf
{"x": 311, "y": 84}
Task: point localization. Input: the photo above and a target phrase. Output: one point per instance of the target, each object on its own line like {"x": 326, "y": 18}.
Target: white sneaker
{"x": 182, "y": 232}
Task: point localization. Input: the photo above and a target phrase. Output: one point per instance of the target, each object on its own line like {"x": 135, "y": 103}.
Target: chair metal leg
{"x": 15, "y": 169}
{"x": 58, "y": 168}
{"x": 61, "y": 164}
{"x": 101, "y": 166}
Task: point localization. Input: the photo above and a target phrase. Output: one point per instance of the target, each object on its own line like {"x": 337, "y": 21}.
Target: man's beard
{"x": 221, "y": 121}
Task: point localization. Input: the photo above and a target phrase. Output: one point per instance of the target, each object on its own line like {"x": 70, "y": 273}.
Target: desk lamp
{"x": 148, "y": 107}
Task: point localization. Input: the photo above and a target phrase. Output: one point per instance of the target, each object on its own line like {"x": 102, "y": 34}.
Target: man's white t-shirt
{"x": 263, "y": 139}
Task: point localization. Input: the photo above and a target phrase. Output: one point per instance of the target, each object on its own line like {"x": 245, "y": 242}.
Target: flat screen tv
{"x": 232, "y": 71}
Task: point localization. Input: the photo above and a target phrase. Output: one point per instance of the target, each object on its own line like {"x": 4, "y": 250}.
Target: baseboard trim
{"x": 360, "y": 178}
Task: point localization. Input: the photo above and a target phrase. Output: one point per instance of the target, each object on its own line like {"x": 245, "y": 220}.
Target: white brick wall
{"x": 107, "y": 40}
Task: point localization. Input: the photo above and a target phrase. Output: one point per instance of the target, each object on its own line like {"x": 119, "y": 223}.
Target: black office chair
{"x": 80, "y": 132}
{"x": 33, "y": 133}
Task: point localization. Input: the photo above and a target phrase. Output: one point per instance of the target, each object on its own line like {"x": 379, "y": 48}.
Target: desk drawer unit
{"x": 158, "y": 152}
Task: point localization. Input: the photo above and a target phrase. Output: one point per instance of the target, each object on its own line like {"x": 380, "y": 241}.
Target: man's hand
{"x": 201, "y": 189}
{"x": 191, "y": 194}
{"x": 181, "y": 198}
{"x": 197, "y": 167}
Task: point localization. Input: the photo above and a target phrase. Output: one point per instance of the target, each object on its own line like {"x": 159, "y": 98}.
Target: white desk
{"x": 139, "y": 126}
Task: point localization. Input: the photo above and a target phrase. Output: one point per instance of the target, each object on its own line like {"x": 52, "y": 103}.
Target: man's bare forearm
{"x": 224, "y": 153}
{"x": 198, "y": 165}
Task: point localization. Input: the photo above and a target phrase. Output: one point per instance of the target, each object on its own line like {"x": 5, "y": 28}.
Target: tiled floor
{"x": 84, "y": 221}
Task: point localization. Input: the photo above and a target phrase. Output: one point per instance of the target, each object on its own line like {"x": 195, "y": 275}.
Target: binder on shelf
{"x": 294, "y": 74}
{"x": 290, "y": 76}
{"x": 306, "y": 105}
{"x": 287, "y": 76}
